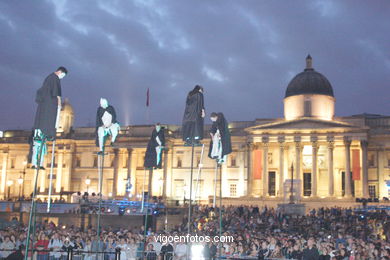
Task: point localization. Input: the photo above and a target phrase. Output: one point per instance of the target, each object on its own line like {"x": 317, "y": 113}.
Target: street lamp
{"x": 184, "y": 189}
{"x": 88, "y": 182}
{"x": 161, "y": 182}
{"x": 20, "y": 181}
{"x": 9, "y": 184}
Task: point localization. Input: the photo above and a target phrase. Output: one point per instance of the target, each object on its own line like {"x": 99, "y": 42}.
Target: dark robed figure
{"x": 153, "y": 155}
{"x": 193, "y": 119}
{"x": 220, "y": 145}
{"x": 48, "y": 98}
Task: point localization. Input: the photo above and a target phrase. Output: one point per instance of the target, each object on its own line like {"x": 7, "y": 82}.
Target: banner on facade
{"x": 355, "y": 164}
{"x": 257, "y": 164}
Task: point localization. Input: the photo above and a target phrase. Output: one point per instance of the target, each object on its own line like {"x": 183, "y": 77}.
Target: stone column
{"x": 265, "y": 165}
{"x": 4, "y": 174}
{"x": 314, "y": 148}
{"x": 364, "y": 145}
{"x": 128, "y": 173}
{"x": 297, "y": 140}
{"x": 165, "y": 173}
{"x": 115, "y": 173}
{"x": 281, "y": 140}
{"x": 59, "y": 171}
{"x": 249, "y": 152}
{"x": 330, "y": 166}
{"x": 347, "y": 179}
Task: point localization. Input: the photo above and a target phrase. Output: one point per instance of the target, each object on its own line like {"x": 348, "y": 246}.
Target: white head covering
{"x": 103, "y": 103}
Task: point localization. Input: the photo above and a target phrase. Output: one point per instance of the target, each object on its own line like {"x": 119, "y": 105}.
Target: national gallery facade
{"x": 328, "y": 158}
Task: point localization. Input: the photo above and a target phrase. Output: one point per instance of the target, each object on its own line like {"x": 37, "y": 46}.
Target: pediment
{"x": 302, "y": 124}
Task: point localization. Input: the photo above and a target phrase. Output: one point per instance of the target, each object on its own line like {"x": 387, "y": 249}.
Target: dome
{"x": 309, "y": 82}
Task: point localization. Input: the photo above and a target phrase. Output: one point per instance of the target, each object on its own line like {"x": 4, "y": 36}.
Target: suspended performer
{"x": 193, "y": 119}
{"x": 220, "y": 145}
{"x": 48, "y": 98}
{"x": 153, "y": 155}
{"x": 106, "y": 124}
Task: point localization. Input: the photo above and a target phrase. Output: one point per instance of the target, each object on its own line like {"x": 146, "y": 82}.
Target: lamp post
{"x": 88, "y": 182}
{"x": 20, "y": 181}
{"x": 161, "y": 182}
{"x": 184, "y": 198}
{"x": 9, "y": 184}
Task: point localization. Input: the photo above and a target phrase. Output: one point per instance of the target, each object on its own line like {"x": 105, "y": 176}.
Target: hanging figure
{"x": 153, "y": 155}
{"x": 106, "y": 124}
{"x": 48, "y": 98}
{"x": 193, "y": 119}
{"x": 220, "y": 145}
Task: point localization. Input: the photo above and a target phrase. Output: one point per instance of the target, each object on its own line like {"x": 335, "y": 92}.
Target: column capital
{"x": 330, "y": 139}
{"x": 347, "y": 140}
{"x": 281, "y": 139}
{"x": 297, "y": 139}
{"x": 314, "y": 139}
{"x": 364, "y": 143}
{"x": 264, "y": 139}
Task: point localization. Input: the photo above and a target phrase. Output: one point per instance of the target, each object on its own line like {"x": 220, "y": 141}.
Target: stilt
{"x": 215, "y": 184}
{"x": 51, "y": 176}
{"x": 190, "y": 197}
{"x": 199, "y": 172}
{"x": 143, "y": 192}
{"x": 100, "y": 169}
{"x": 147, "y": 208}
{"x": 33, "y": 202}
{"x": 220, "y": 208}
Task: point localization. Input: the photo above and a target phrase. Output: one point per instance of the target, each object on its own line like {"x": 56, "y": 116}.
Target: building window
{"x": 233, "y": 190}
{"x": 372, "y": 191}
{"x": 95, "y": 161}
{"x": 270, "y": 159}
{"x": 307, "y": 184}
{"x": 343, "y": 184}
{"x": 233, "y": 161}
{"x": 13, "y": 163}
{"x": 78, "y": 161}
{"x": 179, "y": 162}
{"x": 388, "y": 159}
{"x": 271, "y": 183}
{"x": 307, "y": 108}
{"x": 371, "y": 160}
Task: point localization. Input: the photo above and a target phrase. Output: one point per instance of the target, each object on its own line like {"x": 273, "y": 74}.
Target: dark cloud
{"x": 243, "y": 52}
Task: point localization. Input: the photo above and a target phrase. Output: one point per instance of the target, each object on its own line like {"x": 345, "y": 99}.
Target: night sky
{"x": 244, "y": 53}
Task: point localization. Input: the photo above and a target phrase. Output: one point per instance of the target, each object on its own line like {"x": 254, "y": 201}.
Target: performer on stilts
{"x": 193, "y": 119}
{"x": 153, "y": 155}
{"x": 48, "y": 98}
{"x": 220, "y": 145}
{"x": 106, "y": 124}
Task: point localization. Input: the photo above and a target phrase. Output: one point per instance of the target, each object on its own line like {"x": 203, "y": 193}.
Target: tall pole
{"x": 51, "y": 176}
{"x": 220, "y": 208}
{"x": 33, "y": 202}
{"x": 190, "y": 197}
{"x": 292, "y": 185}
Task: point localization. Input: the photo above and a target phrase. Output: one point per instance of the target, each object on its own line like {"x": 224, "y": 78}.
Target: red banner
{"x": 355, "y": 164}
{"x": 257, "y": 164}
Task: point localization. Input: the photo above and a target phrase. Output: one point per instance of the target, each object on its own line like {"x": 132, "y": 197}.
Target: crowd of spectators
{"x": 258, "y": 233}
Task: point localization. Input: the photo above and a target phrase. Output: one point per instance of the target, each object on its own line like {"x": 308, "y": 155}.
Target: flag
{"x": 147, "y": 98}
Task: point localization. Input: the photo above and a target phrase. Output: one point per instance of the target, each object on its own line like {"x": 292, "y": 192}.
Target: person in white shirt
{"x": 180, "y": 250}
{"x": 7, "y": 245}
{"x": 55, "y": 245}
